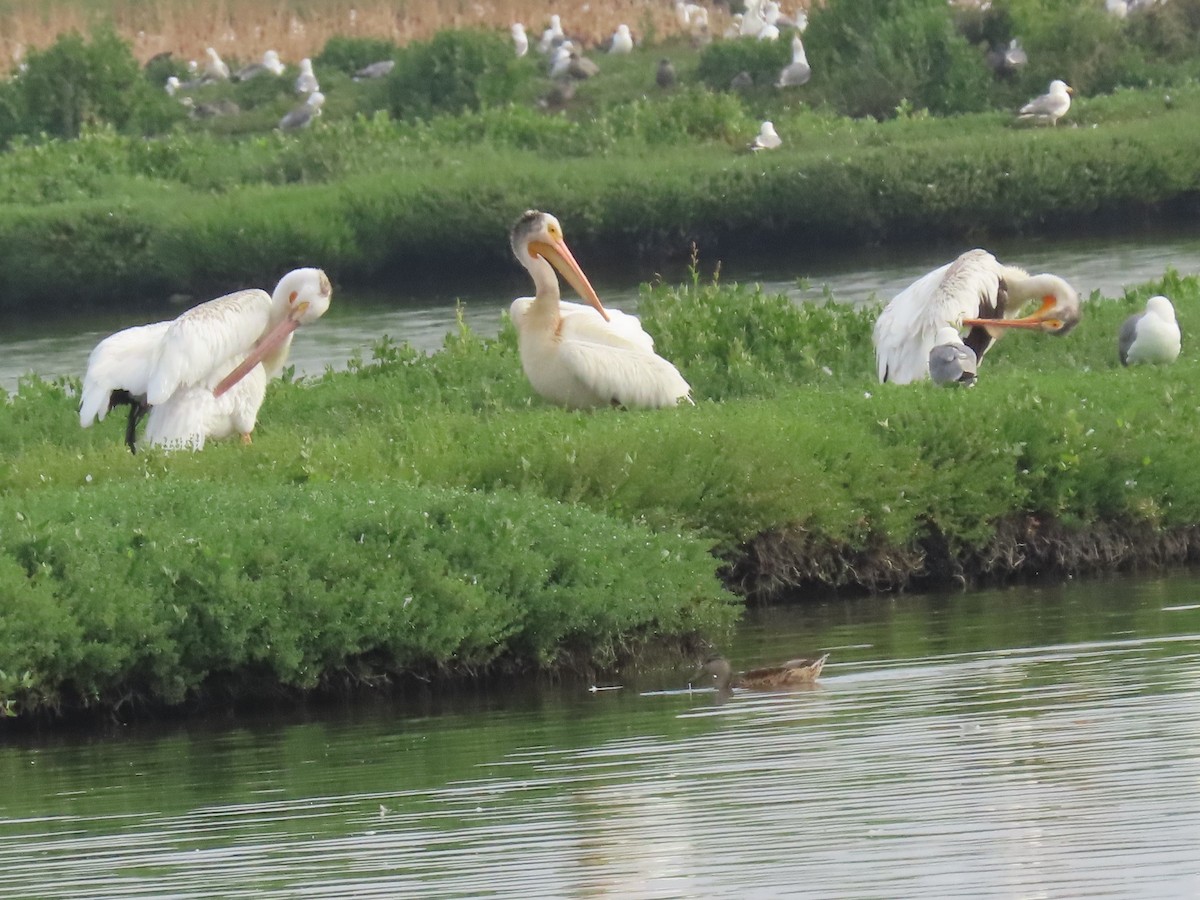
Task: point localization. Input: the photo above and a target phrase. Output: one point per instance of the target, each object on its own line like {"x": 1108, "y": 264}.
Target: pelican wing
{"x": 907, "y": 328}
{"x": 624, "y": 376}
{"x": 204, "y": 343}
{"x": 122, "y": 361}
{"x": 192, "y": 415}
{"x": 582, "y": 322}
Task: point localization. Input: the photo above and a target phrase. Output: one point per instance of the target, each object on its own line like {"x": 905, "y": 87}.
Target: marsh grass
{"x": 528, "y": 537}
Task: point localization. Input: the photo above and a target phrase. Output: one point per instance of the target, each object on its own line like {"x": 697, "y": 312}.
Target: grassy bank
{"x": 427, "y": 515}
{"x": 368, "y": 199}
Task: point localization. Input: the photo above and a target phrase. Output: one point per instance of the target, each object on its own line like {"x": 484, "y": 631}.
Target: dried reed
{"x": 243, "y": 29}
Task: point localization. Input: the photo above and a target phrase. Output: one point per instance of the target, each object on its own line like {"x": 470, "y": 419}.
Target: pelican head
{"x": 1059, "y": 313}
{"x": 302, "y": 296}
{"x": 537, "y": 239}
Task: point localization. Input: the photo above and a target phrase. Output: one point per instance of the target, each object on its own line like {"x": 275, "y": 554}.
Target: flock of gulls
{"x": 566, "y": 65}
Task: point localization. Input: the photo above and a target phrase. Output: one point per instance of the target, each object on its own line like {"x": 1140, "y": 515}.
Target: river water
{"x": 1029, "y": 742}
{"x": 422, "y": 314}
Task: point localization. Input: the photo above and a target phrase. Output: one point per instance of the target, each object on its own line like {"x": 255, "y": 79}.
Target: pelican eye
{"x": 292, "y": 296}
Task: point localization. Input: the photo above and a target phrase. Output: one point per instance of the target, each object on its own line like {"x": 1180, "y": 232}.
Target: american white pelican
{"x": 1050, "y": 106}
{"x": 215, "y": 68}
{"x": 306, "y": 81}
{"x": 975, "y": 291}
{"x": 622, "y": 40}
{"x": 302, "y": 115}
{"x": 797, "y": 72}
{"x": 520, "y": 39}
{"x": 1151, "y": 336}
{"x": 203, "y": 375}
{"x": 766, "y": 139}
{"x": 664, "y": 76}
{"x": 951, "y": 361}
{"x": 582, "y": 356}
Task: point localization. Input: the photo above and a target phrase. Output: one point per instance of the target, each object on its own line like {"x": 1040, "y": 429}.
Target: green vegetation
{"x": 528, "y": 537}
{"x": 432, "y": 163}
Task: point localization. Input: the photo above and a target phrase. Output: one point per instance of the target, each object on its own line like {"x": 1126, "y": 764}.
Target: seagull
{"x": 215, "y": 68}
{"x": 580, "y": 66}
{"x": 375, "y": 70}
{"x": 766, "y": 139}
{"x": 520, "y": 39}
{"x": 271, "y": 63}
{"x": 306, "y": 81}
{"x": 665, "y": 76}
{"x": 798, "y": 72}
{"x": 172, "y": 86}
{"x": 742, "y": 81}
{"x": 951, "y": 361}
{"x": 1151, "y": 336}
{"x": 622, "y": 40}
{"x": 303, "y": 115}
{"x": 1050, "y": 106}
{"x": 552, "y": 36}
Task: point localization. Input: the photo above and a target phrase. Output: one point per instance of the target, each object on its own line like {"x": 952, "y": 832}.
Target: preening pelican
{"x": 951, "y": 361}
{"x": 1151, "y": 336}
{"x": 1050, "y": 106}
{"x": 203, "y": 375}
{"x": 582, "y": 356}
{"x": 975, "y": 291}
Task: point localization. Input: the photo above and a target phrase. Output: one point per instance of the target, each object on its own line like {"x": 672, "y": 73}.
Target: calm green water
{"x": 1030, "y": 742}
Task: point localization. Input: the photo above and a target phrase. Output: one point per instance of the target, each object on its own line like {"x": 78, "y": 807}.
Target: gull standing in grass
{"x": 1050, "y": 106}
{"x": 271, "y": 64}
{"x": 306, "y": 81}
{"x": 1151, "y": 336}
{"x": 520, "y": 39}
{"x": 302, "y": 116}
{"x": 766, "y": 139}
{"x": 375, "y": 70}
{"x": 581, "y": 356}
{"x": 975, "y": 291}
{"x": 215, "y": 68}
{"x": 622, "y": 40}
{"x": 951, "y": 361}
{"x": 203, "y": 375}
{"x": 797, "y": 72}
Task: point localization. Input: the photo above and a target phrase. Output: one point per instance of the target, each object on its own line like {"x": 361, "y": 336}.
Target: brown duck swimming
{"x": 793, "y": 673}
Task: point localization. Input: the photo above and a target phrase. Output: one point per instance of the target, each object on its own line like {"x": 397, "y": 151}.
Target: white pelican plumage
{"x": 975, "y": 291}
{"x": 582, "y": 356}
{"x": 204, "y": 374}
{"x": 1151, "y": 336}
{"x": 1050, "y": 106}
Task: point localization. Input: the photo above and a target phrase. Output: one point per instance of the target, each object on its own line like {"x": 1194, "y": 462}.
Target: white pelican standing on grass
{"x": 203, "y": 375}
{"x": 975, "y": 291}
{"x": 582, "y": 356}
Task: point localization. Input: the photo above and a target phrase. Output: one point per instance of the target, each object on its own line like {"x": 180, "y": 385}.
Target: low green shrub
{"x": 720, "y": 61}
{"x": 349, "y": 54}
{"x": 454, "y": 72}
